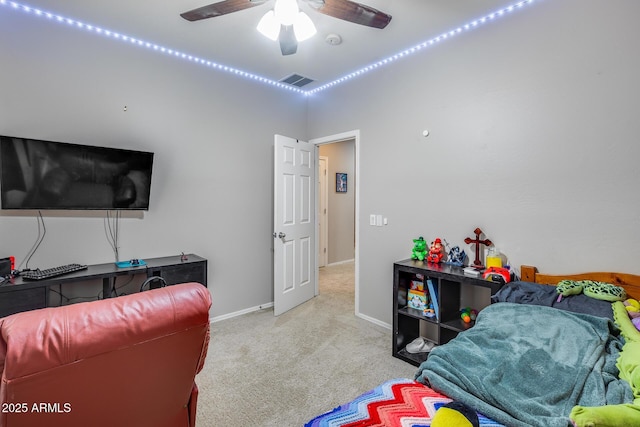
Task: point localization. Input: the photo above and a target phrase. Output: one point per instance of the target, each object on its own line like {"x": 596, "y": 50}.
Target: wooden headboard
{"x": 630, "y": 282}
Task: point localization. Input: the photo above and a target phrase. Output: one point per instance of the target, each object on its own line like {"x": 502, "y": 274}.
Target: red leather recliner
{"x": 126, "y": 361}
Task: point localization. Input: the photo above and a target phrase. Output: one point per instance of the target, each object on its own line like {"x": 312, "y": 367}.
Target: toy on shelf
{"x": 419, "y": 251}
{"x": 468, "y": 314}
{"x": 436, "y": 251}
{"x": 417, "y": 284}
{"x": 477, "y": 263}
{"x": 417, "y": 300}
{"x": 456, "y": 256}
{"x": 429, "y": 311}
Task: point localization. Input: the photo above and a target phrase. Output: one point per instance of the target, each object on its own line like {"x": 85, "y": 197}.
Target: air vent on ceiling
{"x": 296, "y": 80}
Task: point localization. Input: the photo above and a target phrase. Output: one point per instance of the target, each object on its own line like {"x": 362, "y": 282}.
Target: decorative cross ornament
{"x": 477, "y": 241}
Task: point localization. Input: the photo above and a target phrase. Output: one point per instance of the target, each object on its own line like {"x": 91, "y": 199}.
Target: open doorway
{"x": 341, "y": 203}
{"x": 337, "y": 205}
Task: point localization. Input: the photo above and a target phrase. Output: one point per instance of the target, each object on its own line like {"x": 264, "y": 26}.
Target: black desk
{"x": 18, "y": 295}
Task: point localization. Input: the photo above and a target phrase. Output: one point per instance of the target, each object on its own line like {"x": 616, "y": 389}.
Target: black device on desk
{"x": 51, "y": 272}
{"x": 5, "y": 266}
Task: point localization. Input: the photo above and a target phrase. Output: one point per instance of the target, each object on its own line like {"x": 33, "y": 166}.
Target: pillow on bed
{"x": 538, "y": 294}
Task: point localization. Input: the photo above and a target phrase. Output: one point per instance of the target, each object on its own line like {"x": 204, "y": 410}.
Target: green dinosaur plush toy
{"x": 569, "y": 287}
{"x": 591, "y": 288}
{"x": 604, "y": 291}
{"x": 419, "y": 249}
{"x": 455, "y": 414}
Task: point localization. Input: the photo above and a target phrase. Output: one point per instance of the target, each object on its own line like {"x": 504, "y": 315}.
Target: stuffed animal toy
{"x": 591, "y": 288}
{"x": 633, "y": 308}
{"x": 436, "y": 251}
{"x": 455, "y": 414}
{"x": 456, "y": 256}
{"x": 419, "y": 251}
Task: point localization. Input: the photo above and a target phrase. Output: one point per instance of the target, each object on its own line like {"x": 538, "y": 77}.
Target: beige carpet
{"x": 282, "y": 371}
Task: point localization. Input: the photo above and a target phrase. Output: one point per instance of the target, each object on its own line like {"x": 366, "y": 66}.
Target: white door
{"x": 323, "y": 227}
{"x": 295, "y": 250}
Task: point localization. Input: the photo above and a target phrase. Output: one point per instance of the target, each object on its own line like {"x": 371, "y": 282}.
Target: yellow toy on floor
{"x": 455, "y": 414}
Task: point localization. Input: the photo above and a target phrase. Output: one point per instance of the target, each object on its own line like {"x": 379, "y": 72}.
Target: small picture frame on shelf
{"x": 341, "y": 182}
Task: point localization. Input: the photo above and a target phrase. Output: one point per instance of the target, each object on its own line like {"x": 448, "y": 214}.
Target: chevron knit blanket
{"x": 399, "y": 402}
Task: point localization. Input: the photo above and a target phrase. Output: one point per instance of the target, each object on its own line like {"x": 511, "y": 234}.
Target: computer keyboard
{"x": 51, "y": 272}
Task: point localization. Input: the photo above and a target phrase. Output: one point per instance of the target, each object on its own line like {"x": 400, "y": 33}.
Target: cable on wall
{"x": 112, "y": 231}
{"x": 42, "y": 231}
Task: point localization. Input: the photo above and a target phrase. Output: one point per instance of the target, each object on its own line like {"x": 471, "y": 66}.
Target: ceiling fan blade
{"x": 287, "y": 39}
{"x": 219, "y": 8}
{"x": 351, "y": 11}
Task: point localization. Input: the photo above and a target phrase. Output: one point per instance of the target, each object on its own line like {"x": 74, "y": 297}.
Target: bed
{"x": 531, "y": 359}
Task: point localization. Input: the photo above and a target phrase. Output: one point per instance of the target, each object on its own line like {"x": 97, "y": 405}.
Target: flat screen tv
{"x": 37, "y": 174}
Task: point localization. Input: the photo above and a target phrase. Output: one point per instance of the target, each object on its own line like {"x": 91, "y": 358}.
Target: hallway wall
{"x": 341, "y": 206}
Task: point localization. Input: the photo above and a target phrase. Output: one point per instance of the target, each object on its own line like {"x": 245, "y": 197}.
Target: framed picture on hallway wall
{"x": 341, "y": 182}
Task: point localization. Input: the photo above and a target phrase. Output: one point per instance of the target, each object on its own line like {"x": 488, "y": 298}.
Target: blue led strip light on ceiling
{"x": 250, "y": 76}
{"x": 442, "y": 37}
{"x": 142, "y": 43}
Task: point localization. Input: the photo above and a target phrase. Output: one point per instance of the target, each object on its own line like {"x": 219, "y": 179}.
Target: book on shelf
{"x": 433, "y": 296}
{"x": 417, "y": 285}
{"x": 417, "y": 300}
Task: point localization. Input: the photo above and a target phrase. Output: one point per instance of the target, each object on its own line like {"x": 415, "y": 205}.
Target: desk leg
{"x": 106, "y": 288}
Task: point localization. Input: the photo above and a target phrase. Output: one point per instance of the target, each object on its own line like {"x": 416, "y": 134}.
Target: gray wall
{"x": 341, "y": 219}
{"x": 212, "y": 134}
{"x": 534, "y": 138}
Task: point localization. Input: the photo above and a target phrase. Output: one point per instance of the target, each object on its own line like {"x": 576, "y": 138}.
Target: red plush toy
{"x": 435, "y": 251}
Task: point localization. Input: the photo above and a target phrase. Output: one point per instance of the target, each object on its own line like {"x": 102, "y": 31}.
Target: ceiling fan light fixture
{"x": 269, "y": 26}
{"x": 303, "y": 27}
{"x": 286, "y": 11}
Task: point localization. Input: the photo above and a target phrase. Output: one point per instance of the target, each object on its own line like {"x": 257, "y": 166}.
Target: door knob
{"x": 281, "y": 235}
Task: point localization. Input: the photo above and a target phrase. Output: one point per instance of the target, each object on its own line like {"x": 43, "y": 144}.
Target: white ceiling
{"x": 233, "y": 40}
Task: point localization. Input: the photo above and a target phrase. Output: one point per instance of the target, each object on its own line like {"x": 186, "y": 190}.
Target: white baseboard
{"x": 374, "y": 321}
{"x": 270, "y": 305}
{"x": 241, "y": 312}
{"x": 341, "y": 262}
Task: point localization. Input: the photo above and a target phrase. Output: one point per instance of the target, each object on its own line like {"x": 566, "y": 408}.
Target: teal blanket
{"x": 527, "y": 365}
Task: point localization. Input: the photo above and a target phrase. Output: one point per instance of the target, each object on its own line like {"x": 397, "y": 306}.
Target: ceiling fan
{"x": 287, "y": 24}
